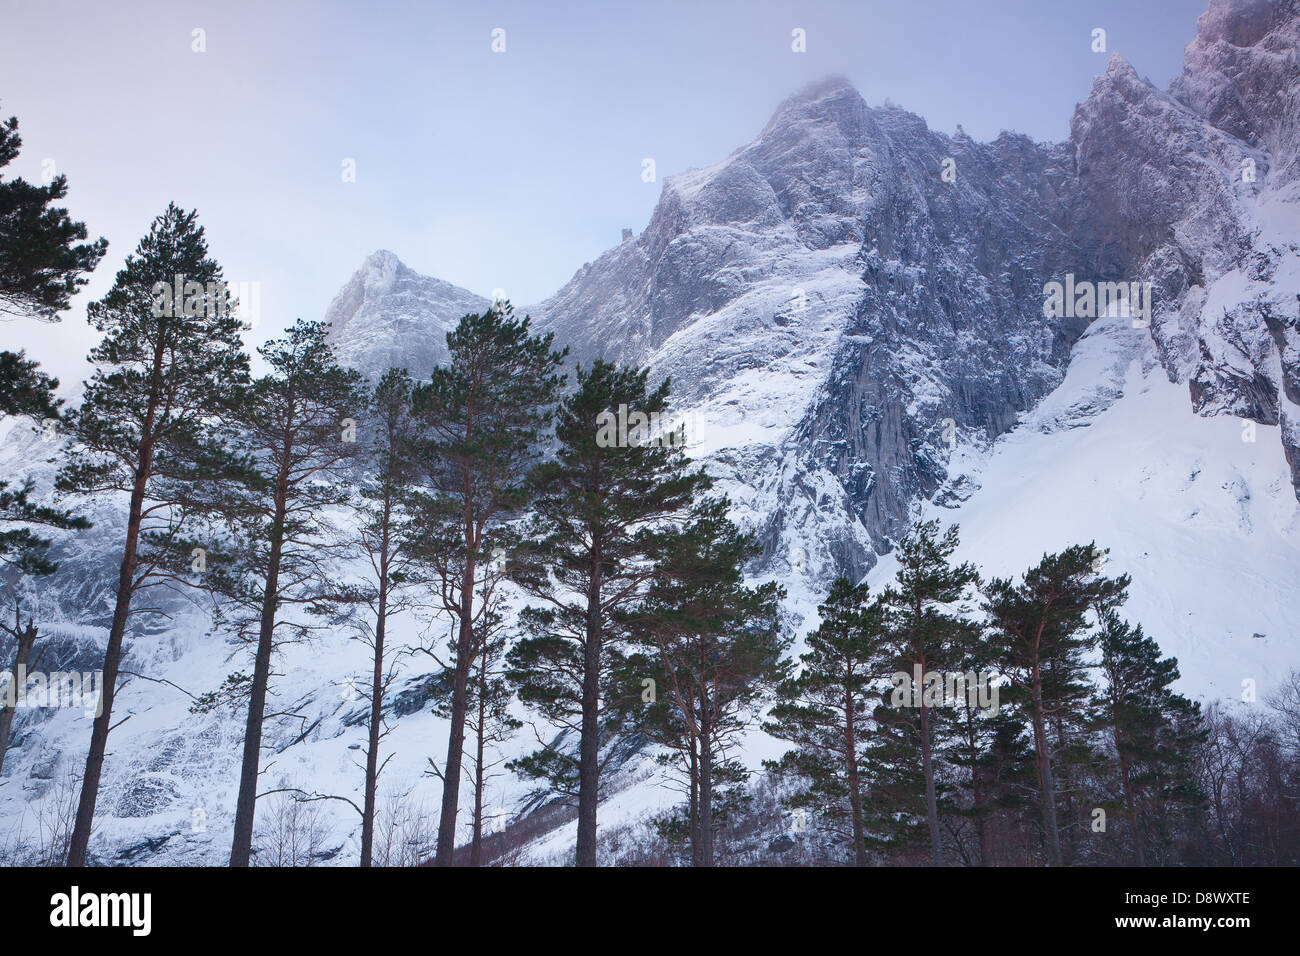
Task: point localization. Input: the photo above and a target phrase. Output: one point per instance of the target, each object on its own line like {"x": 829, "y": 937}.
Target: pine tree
{"x": 42, "y": 258}
{"x": 924, "y": 639}
{"x": 895, "y": 808}
{"x": 545, "y": 670}
{"x": 1009, "y": 775}
{"x": 24, "y": 549}
{"x": 25, "y": 389}
{"x": 1040, "y": 629}
{"x": 384, "y": 538}
{"x": 598, "y": 528}
{"x": 1154, "y": 733}
{"x": 718, "y": 643}
{"x": 488, "y": 721}
{"x": 970, "y": 736}
{"x": 1077, "y": 761}
{"x": 42, "y": 263}
{"x": 482, "y": 419}
{"x": 826, "y": 711}
{"x": 24, "y": 554}
{"x": 296, "y": 424}
{"x": 148, "y": 426}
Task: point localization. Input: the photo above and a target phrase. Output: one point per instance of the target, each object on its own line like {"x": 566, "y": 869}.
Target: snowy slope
{"x": 1206, "y": 524}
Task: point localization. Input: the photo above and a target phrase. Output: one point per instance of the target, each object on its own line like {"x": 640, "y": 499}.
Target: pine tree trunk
{"x": 978, "y": 797}
{"x": 476, "y": 846}
{"x": 931, "y": 796}
{"x": 1130, "y": 806}
{"x": 376, "y": 708}
{"x": 589, "y": 755}
{"x": 456, "y": 734}
{"x": 693, "y": 824}
{"x": 446, "y": 851}
{"x": 80, "y": 840}
{"x": 241, "y": 847}
{"x": 26, "y": 638}
{"x": 855, "y": 793}
{"x": 1065, "y": 787}
{"x": 706, "y": 782}
{"x": 1046, "y": 782}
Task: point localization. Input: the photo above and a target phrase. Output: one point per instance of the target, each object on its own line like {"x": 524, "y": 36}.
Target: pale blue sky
{"x": 489, "y": 170}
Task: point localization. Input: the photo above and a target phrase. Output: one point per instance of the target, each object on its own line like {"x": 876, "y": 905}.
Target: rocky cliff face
{"x": 846, "y": 301}
{"x": 829, "y": 305}
{"x": 1195, "y": 190}
{"x": 1242, "y": 74}
{"x": 862, "y": 315}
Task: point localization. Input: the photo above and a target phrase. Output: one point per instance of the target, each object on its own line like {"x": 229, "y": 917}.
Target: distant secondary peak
{"x": 831, "y": 98}
{"x": 1118, "y": 65}
{"x": 383, "y": 259}
{"x": 834, "y": 83}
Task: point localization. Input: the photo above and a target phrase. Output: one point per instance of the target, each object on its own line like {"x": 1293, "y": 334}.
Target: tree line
{"x": 1084, "y": 734}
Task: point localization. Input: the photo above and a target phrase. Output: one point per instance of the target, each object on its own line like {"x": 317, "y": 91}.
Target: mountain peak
{"x": 381, "y": 260}
{"x": 825, "y": 94}
{"x": 832, "y": 99}
{"x": 833, "y": 84}
{"x": 1118, "y": 65}
{"x": 387, "y": 315}
{"x": 1118, "y": 83}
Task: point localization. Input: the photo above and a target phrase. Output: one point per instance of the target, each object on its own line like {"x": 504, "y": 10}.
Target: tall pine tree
{"x": 297, "y": 426}
{"x": 384, "y": 538}
{"x": 826, "y": 711}
{"x": 1154, "y": 735}
{"x": 483, "y": 418}
{"x": 926, "y": 638}
{"x": 43, "y": 261}
{"x": 718, "y": 643}
{"x": 149, "y": 426}
{"x": 602, "y": 511}
{"x": 1040, "y": 628}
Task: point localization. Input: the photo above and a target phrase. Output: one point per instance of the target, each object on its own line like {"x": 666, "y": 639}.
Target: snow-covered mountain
{"x": 389, "y": 316}
{"x": 823, "y": 300}
{"x": 851, "y": 309}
